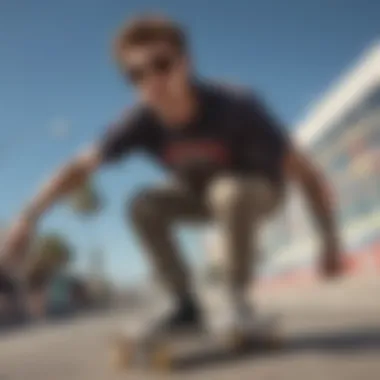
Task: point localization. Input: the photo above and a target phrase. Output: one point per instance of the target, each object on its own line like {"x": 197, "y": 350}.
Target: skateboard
{"x": 152, "y": 349}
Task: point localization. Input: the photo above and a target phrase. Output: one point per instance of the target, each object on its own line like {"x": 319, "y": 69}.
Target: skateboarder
{"x": 230, "y": 161}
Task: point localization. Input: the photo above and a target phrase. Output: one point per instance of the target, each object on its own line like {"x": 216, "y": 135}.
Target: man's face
{"x": 159, "y": 73}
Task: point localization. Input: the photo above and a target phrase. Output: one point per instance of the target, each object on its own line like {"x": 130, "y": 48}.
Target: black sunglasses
{"x": 159, "y": 65}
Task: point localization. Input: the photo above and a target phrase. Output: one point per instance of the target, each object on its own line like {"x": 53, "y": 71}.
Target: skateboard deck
{"x": 158, "y": 350}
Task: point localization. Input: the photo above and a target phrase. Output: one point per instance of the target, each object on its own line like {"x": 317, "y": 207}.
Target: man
{"x": 229, "y": 158}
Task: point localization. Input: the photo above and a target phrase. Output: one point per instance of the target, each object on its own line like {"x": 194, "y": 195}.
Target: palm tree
{"x": 49, "y": 255}
{"x": 87, "y": 202}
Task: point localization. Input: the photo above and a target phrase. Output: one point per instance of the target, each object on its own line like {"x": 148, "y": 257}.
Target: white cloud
{"x": 59, "y": 128}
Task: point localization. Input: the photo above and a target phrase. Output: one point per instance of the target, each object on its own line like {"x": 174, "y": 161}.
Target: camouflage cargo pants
{"x": 237, "y": 205}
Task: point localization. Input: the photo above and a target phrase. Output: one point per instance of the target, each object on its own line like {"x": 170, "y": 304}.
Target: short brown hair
{"x": 147, "y": 29}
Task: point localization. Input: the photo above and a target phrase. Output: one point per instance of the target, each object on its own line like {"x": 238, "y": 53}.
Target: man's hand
{"x": 331, "y": 264}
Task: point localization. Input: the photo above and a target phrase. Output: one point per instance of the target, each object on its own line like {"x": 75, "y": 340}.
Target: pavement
{"x": 332, "y": 332}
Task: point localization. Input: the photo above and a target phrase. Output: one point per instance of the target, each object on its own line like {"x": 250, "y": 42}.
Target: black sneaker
{"x": 186, "y": 317}
{"x": 7, "y": 284}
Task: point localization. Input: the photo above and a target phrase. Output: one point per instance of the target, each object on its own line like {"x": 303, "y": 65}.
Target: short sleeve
{"x": 262, "y": 125}
{"x": 123, "y": 136}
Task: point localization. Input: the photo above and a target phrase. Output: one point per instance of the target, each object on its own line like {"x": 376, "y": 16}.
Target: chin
{"x": 161, "y": 107}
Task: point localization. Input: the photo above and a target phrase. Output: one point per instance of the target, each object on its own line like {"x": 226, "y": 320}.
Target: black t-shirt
{"x": 233, "y": 133}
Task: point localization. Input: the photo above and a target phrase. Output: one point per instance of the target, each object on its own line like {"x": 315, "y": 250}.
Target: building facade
{"x": 342, "y": 134}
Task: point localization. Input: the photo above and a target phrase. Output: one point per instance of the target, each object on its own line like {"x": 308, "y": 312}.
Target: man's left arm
{"x": 300, "y": 169}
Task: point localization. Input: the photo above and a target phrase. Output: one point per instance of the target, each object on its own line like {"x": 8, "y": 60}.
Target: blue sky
{"x": 59, "y": 88}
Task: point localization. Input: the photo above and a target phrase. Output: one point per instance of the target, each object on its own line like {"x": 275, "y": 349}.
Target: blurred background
{"x": 317, "y": 63}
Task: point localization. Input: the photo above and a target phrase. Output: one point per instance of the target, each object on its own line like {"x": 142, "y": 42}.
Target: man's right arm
{"x": 123, "y": 136}
{"x": 68, "y": 178}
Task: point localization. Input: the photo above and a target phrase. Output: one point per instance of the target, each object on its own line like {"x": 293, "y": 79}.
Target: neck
{"x": 183, "y": 109}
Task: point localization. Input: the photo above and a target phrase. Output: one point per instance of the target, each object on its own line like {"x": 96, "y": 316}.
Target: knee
{"x": 231, "y": 195}
{"x": 225, "y": 194}
{"x": 144, "y": 208}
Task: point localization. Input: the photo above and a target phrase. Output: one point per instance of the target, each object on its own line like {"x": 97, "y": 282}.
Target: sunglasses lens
{"x": 162, "y": 65}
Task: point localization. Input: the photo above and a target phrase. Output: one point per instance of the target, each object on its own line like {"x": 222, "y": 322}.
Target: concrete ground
{"x": 332, "y": 333}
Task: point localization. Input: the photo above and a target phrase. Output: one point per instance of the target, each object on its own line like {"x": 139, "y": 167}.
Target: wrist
{"x": 31, "y": 214}
{"x": 330, "y": 238}
{"x": 328, "y": 228}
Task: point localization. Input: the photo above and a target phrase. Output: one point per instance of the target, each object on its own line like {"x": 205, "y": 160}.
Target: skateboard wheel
{"x": 121, "y": 354}
{"x": 236, "y": 341}
{"x": 161, "y": 359}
